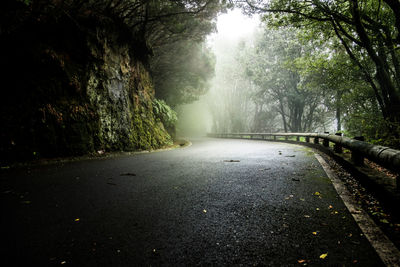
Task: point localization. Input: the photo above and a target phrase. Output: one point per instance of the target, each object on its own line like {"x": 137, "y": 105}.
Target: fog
{"x": 207, "y": 114}
{"x": 265, "y": 81}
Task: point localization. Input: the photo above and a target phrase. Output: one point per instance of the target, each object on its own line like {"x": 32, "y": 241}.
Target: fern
{"x": 165, "y": 113}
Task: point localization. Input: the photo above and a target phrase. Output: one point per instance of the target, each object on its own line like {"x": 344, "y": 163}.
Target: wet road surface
{"x": 217, "y": 202}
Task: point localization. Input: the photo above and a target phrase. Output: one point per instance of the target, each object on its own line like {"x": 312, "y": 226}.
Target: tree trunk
{"x": 338, "y": 111}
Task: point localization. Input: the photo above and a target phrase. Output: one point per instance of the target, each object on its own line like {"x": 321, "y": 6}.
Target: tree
{"x": 182, "y": 71}
{"x": 273, "y": 70}
{"x": 369, "y": 31}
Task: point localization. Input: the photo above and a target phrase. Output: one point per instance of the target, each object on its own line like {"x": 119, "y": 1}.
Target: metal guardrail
{"x": 385, "y": 156}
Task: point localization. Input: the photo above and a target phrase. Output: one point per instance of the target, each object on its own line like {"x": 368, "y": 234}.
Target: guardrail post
{"x": 338, "y": 147}
{"x": 325, "y": 142}
{"x": 356, "y": 157}
{"x": 316, "y": 140}
{"x": 307, "y": 139}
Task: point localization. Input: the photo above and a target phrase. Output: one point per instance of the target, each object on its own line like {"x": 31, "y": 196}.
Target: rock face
{"x": 68, "y": 91}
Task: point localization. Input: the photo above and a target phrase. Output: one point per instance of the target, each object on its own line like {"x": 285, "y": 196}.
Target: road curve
{"x": 217, "y": 202}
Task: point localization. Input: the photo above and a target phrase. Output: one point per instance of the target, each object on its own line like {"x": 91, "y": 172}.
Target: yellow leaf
{"x": 77, "y": 219}
{"x": 301, "y": 261}
{"x": 204, "y": 211}
{"x": 323, "y": 256}
{"x": 314, "y": 233}
{"x": 317, "y": 208}
{"x": 317, "y": 193}
{"x": 330, "y": 206}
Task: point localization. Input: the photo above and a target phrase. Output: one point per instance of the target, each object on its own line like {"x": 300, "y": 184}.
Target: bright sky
{"x": 234, "y": 25}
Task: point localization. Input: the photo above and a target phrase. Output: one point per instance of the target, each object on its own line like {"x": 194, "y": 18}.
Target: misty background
{"x": 215, "y": 107}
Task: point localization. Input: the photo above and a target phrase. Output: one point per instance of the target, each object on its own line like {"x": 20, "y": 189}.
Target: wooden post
{"x": 298, "y": 138}
{"x": 286, "y": 138}
{"x": 338, "y": 147}
{"x": 326, "y": 141}
{"x": 316, "y": 140}
{"x": 307, "y": 139}
{"x": 356, "y": 157}
{"x": 274, "y": 137}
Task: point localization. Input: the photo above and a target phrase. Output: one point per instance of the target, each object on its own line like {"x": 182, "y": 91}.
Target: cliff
{"x": 72, "y": 90}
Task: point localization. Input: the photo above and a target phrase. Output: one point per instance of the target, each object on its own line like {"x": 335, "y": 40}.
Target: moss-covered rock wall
{"x": 69, "y": 91}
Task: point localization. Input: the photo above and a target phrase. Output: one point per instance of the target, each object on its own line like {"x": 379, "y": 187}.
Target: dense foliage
{"x": 355, "y": 61}
{"x": 182, "y": 71}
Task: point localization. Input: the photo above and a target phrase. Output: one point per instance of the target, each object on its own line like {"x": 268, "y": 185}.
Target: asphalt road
{"x": 217, "y": 202}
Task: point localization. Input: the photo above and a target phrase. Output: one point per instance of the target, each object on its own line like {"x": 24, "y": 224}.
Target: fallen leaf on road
{"x": 330, "y": 206}
{"x": 205, "y": 211}
{"x": 384, "y": 221}
{"x": 291, "y": 156}
{"x": 323, "y": 256}
{"x": 302, "y": 199}
{"x": 231, "y": 160}
{"x": 127, "y": 174}
{"x": 307, "y": 216}
{"x": 317, "y": 209}
{"x": 77, "y": 219}
{"x": 266, "y": 169}
{"x": 315, "y": 233}
{"x": 301, "y": 261}
{"x": 317, "y": 193}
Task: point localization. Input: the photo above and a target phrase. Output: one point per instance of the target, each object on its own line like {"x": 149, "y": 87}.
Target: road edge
{"x": 386, "y": 250}
{"x": 178, "y": 144}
